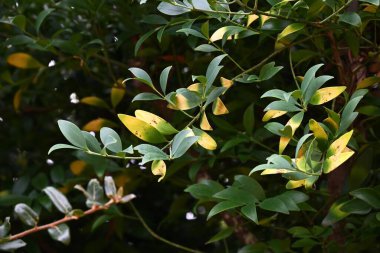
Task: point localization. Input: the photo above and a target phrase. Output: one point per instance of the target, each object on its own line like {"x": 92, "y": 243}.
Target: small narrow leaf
{"x": 146, "y": 96}
{"x": 249, "y": 119}
{"x": 95, "y": 193}
{"x": 26, "y": 214}
{"x": 164, "y": 78}
{"x": 205, "y": 125}
{"x": 58, "y": 199}
{"x": 109, "y": 187}
{"x": 151, "y": 153}
{"x": 60, "y": 233}
{"x": 110, "y": 139}
{"x": 159, "y": 169}
{"x": 41, "y": 17}
{"x": 272, "y": 114}
{"x": 367, "y": 82}
{"x": 61, "y": 146}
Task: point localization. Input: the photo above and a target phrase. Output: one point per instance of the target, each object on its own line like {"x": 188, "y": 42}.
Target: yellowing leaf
{"x": 331, "y": 123}
{"x": 292, "y": 184}
{"x": 271, "y": 114}
{"x": 95, "y": 101}
{"x": 17, "y": 100}
{"x": 77, "y": 167}
{"x": 284, "y": 141}
{"x": 251, "y": 19}
{"x": 319, "y": 133}
{"x": 274, "y": 171}
{"x": 218, "y": 107}
{"x": 293, "y": 123}
{"x": 159, "y": 169}
{"x": 96, "y": 124}
{"x": 335, "y": 161}
{"x": 157, "y": 122}
{"x": 226, "y": 82}
{"x": 181, "y": 102}
{"x": 23, "y": 61}
{"x": 117, "y": 95}
{"x": 324, "y": 95}
{"x": 205, "y": 125}
{"x": 339, "y": 145}
{"x": 218, "y": 34}
{"x": 290, "y": 29}
{"x": 205, "y": 140}
{"x": 369, "y": 81}
{"x": 141, "y": 129}
{"x": 197, "y": 87}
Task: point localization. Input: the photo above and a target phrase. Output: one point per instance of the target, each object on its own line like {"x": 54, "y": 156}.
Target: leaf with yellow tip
{"x": 205, "y": 125}
{"x": 226, "y": 82}
{"x": 319, "y": 134}
{"x": 159, "y": 169}
{"x": 369, "y": 81}
{"x": 335, "y": 161}
{"x": 293, "y": 124}
{"x": 284, "y": 141}
{"x": 292, "y": 184}
{"x": 324, "y": 95}
{"x": 339, "y": 145}
{"x": 197, "y": 87}
{"x": 218, "y": 107}
{"x": 274, "y": 171}
{"x": 96, "y": 124}
{"x": 251, "y": 19}
{"x": 157, "y": 122}
{"x": 205, "y": 140}
{"x": 95, "y": 101}
{"x": 271, "y": 114}
{"x": 23, "y": 61}
{"x": 185, "y": 100}
{"x": 141, "y": 129}
{"x": 331, "y": 124}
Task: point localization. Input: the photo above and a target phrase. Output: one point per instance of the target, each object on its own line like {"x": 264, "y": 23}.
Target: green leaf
{"x": 351, "y": 18}
{"x": 164, "y": 78}
{"x": 193, "y": 32}
{"x": 72, "y": 133}
{"x": 117, "y": 95}
{"x": 5, "y": 227}
{"x": 275, "y": 205}
{"x": 172, "y": 10}
{"x": 142, "y": 76}
{"x": 19, "y": 21}
{"x": 309, "y": 76}
{"x": 214, "y": 94}
{"x": 213, "y": 70}
{"x": 223, "y": 234}
{"x": 250, "y": 212}
{"x": 249, "y": 119}
{"x": 141, "y": 129}
{"x": 151, "y": 153}
{"x": 58, "y": 199}
{"x": 41, "y": 17}
{"x": 221, "y": 207}
{"x": 12, "y": 246}
{"x": 206, "y": 48}
{"x": 250, "y": 185}
{"x": 314, "y": 85}
{"x": 26, "y": 214}
{"x": 368, "y": 195}
{"x": 182, "y": 142}
{"x": 335, "y": 214}
{"x": 356, "y": 206}
{"x": 236, "y": 195}
{"x": 146, "y": 96}
{"x": 109, "y": 187}
{"x": 61, "y": 146}
{"x": 60, "y": 233}
{"x": 268, "y": 71}
{"x": 204, "y": 190}
{"x": 142, "y": 39}
{"x": 274, "y": 93}
{"x": 91, "y": 142}
{"x": 95, "y": 193}
{"x": 110, "y": 139}
{"x": 283, "y": 106}
{"x": 300, "y": 232}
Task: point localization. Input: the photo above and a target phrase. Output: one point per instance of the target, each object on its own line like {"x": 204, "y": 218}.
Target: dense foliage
{"x": 239, "y": 126}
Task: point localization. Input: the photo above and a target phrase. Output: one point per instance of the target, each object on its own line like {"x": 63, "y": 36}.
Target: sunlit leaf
{"x": 218, "y": 107}
{"x": 157, "y": 122}
{"x": 324, "y": 95}
{"x": 58, "y": 199}
{"x": 205, "y": 140}
{"x": 26, "y": 214}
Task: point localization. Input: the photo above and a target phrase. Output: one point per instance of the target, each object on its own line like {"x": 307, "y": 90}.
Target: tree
{"x": 258, "y": 119}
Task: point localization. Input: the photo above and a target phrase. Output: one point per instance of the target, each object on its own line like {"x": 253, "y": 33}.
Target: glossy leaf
{"x": 41, "y": 17}
{"x": 250, "y": 212}
{"x": 58, "y": 199}
{"x": 61, "y": 146}
{"x": 72, "y": 133}
{"x": 182, "y": 142}
{"x": 324, "y": 95}
{"x": 164, "y": 78}
{"x": 141, "y": 129}
{"x": 172, "y": 10}
{"x": 205, "y": 125}
{"x": 272, "y": 114}
{"x": 213, "y": 70}
{"x": 60, "y": 233}
{"x": 218, "y": 107}
{"x": 12, "y": 245}
{"x": 351, "y": 18}
{"x": 275, "y": 205}
{"x": 95, "y": 193}
{"x": 146, "y": 96}
{"x": 5, "y": 227}
{"x": 368, "y": 195}
{"x": 142, "y": 76}
{"x": 110, "y": 139}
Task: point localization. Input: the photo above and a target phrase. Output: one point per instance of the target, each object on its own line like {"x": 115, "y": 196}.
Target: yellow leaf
{"x": 95, "y": 101}
{"x": 23, "y": 61}
{"x": 155, "y": 121}
{"x": 117, "y": 95}
{"x": 96, "y": 124}
{"x": 77, "y": 167}
{"x": 331, "y": 123}
{"x": 226, "y": 82}
{"x": 218, "y": 107}
{"x": 271, "y": 114}
{"x": 274, "y": 171}
{"x": 339, "y": 145}
{"x": 17, "y": 100}
{"x": 318, "y": 131}
{"x": 336, "y": 160}
{"x": 205, "y": 140}
{"x": 218, "y": 34}
{"x": 293, "y": 123}
{"x": 205, "y": 125}
{"x": 324, "y": 95}
{"x": 369, "y": 81}
{"x": 284, "y": 141}
{"x": 251, "y": 19}
{"x": 159, "y": 169}
{"x": 197, "y": 87}
{"x": 181, "y": 102}
{"x": 292, "y": 184}
{"x": 141, "y": 129}
{"x": 290, "y": 29}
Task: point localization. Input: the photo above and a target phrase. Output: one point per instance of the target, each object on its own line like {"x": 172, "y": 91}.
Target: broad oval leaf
{"x": 58, "y": 199}
{"x": 223, "y": 206}
{"x": 141, "y": 129}
{"x": 72, "y": 133}
{"x": 26, "y": 214}
{"x": 141, "y": 76}
{"x": 275, "y": 205}
{"x": 157, "y": 122}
